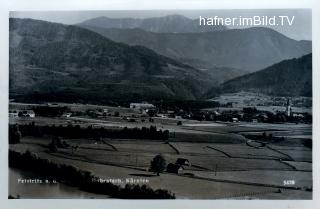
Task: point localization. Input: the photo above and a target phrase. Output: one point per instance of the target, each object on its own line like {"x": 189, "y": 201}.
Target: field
{"x": 224, "y": 163}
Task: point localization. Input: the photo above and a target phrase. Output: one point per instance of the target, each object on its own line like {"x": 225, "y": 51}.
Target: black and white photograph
{"x": 213, "y": 104}
{"x": 176, "y": 104}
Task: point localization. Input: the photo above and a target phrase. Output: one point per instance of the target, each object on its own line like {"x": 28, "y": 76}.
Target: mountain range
{"x": 288, "y": 78}
{"x": 50, "y": 61}
{"x": 247, "y": 50}
{"x": 166, "y": 24}
{"x": 77, "y": 63}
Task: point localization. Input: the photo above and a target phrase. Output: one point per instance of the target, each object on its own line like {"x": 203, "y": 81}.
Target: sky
{"x": 301, "y": 29}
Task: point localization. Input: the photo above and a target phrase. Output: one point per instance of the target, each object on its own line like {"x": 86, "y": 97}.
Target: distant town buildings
{"x": 141, "y": 106}
{"x": 67, "y": 115}
{"x": 28, "y": 113}
{"x": 144, "y": 107}
{"x": 21, "y": 113}
{"x": 13, "y": 114}
{"x": 235, "y": 120}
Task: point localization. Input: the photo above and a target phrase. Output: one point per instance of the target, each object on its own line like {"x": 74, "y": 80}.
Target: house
{"x": 52, "y": 105}
{"x": 13, "y": 114}
{"x": 183, "y": 161}
{"x": 28, "y": 113}
{"x": 235, "y": 120}
{"x": 298, "y": 115}
{"x": 254, "y": 120}
{"x": 66, "y": 115}
{"x": 162, "y": 115}
{"x": 174, "y": 168}
{"x": 216, "y": 113}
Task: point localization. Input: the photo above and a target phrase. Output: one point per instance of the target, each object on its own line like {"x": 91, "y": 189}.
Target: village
{"x": 227, "y": 108}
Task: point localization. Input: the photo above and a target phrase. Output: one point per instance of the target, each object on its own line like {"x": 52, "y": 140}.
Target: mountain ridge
{"x": 51, "y": 60}
{"x": 165, "y": 24}
{"x": 248, "y": 49}
{"x": 292, "y": 77}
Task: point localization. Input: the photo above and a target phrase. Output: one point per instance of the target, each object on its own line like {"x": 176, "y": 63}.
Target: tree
{"x": 165, "y": 134}
{"x": 14, "y": 135}
{"x": 53, "y": 146}
{"x": 264, "y": 135}
{"x": 158, "y": 164}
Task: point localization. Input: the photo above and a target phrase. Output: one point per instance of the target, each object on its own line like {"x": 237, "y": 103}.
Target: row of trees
{"x": 84, "y": 180}
{"x": 49, "y": 111}
{"x": 71, "y": 131}
{"x": 185, "y": 105}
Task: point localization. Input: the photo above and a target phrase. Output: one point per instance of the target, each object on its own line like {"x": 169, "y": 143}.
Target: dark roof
{"x": 181, "y": 161}
{"x": 173, "y": 168}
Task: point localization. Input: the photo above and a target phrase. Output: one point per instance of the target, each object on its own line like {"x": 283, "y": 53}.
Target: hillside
{"x": 248, "y": 50}
{"x": 288, "y": 78}
{"x": 166, "y": 24}
{"x": 50, "y": 61}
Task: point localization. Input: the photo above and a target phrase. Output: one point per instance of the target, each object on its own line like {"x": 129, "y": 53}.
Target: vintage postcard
{"x": 178, "y": 104}
{"x": 155, "y": 105}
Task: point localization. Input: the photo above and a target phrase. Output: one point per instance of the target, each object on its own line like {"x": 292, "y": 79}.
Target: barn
{"x": 174, "y": 168}
{"x": 183, "y": 161}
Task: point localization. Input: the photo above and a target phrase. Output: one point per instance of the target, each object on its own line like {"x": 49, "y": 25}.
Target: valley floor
{"x": 224, "y": 163}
